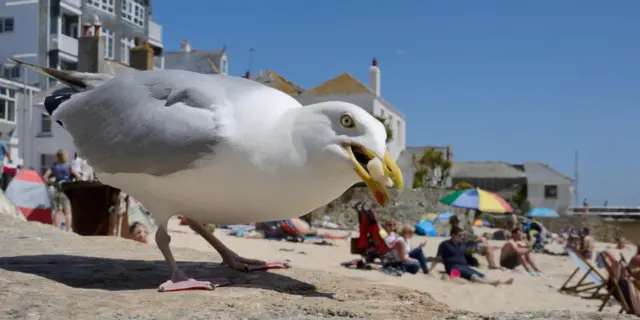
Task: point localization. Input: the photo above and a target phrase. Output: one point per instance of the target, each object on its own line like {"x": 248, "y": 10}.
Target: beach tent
{"x": 8, "y": 208}
{"x": 28, "y": 192}
{"x": 443, "y": 217}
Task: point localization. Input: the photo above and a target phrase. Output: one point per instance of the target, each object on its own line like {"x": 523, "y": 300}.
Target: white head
{"x": 352, "y": 138}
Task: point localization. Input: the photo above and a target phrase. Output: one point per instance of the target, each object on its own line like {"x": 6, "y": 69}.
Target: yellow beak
{"x": 378, "y": 186}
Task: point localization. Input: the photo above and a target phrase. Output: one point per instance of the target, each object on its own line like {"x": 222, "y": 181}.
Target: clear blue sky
{"x": 511, "y": 81}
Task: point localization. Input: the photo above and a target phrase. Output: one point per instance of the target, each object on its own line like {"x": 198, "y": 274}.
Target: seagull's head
{"x": 352, "y": 137}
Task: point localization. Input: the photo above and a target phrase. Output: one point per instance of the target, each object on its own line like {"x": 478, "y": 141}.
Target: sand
{"x": 527, "y": 294}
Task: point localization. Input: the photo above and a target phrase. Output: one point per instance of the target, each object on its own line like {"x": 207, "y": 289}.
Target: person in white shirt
{"x": 411, "y": 260}
{"x": 390, "y": 228}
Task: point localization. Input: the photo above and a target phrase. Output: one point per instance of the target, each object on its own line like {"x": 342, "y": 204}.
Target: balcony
{"x": 155, "y": 34}
{"x": 73, "y": 3}
{"x": 64, "y": 43}
{"x": 72, "y": 6}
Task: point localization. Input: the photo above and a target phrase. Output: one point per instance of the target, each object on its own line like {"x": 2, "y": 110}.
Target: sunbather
{"x": 299, "y": 227}
{"x": 138, "y": 232}
{"x": 451, "y": 253}
{"x": 587, "y": 244}
{"x": 516, "y": 252}
{"x": 622, "y": 274}
{"x": 390, "y": 228}
{"x": 476, "y": 244}
{"x": 411, "y": 260}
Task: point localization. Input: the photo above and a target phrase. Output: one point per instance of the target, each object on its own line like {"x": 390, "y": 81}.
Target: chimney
{"x": 247, "y": 75}
{"x": 185, "y": 46}
{"x": 374, "y": 77}
{"x": 141, "y": 57}
{"x": 91, "y": 48}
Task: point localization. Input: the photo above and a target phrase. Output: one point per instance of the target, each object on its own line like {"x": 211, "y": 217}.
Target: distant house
{"x": 492, "y": 176}
{"x": 279, "y": 82}
{"x": 547, "y": 187}
{"x": 201, "y": 61}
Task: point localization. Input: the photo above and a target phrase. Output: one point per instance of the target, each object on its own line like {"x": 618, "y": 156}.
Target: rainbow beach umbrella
{"x": 477, "y": 199}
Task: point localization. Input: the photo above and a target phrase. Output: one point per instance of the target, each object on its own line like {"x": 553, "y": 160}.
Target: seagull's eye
{"x": 347, "y": 121}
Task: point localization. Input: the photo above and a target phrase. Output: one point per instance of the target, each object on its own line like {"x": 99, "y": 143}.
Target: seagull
{"x": 218, "y": 149}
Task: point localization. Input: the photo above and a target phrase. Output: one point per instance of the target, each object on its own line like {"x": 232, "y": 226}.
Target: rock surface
{"x": 49, "y": 274}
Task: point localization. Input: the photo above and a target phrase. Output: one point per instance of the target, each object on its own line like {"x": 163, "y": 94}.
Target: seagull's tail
{"x": 78, "y": 81}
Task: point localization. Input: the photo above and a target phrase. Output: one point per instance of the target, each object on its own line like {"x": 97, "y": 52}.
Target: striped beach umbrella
{"x": 28, "y": 192}
{"x": 477, "y": 199}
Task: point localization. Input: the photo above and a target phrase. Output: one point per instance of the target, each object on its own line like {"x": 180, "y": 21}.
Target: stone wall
{"x": 408, "y": 206}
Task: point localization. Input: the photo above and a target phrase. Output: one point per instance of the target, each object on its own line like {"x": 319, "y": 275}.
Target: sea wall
{"x": 410, "y": 205}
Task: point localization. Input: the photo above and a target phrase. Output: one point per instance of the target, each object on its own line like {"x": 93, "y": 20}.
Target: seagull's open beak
{"x": 373, "y": 171}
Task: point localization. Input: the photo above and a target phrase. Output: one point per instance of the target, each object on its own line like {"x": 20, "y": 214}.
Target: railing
{"x": 65, "y": 44}
{"x": 155, "y": 31}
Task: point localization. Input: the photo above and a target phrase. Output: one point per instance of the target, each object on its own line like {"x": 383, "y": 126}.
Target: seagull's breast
{"x": 231, "y": 187}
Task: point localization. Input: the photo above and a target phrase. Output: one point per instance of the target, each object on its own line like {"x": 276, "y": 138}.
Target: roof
{"x": 488, "y": 169}
{"x": 279, "y": 82}
{"x": 541, "y": 173}
{"x": 196, "y": 61}
{"x": 342, "y": 84}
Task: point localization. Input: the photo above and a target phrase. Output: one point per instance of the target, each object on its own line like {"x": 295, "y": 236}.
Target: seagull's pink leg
{"x": 232, "y": 259}
{"x": 179, "y": 281}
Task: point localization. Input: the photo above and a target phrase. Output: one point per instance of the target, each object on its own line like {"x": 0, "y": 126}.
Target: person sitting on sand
{"x": 476, "y": 244}
{"x": 451, "y": 254}
{"x": 587, "y": 244}
{"x": 390, "y": 228}
{"x": 622, "y": 275}
{"x": 517, "y": 251}
{"x": 138, "y": 232}
{"x": 411, "y": 260}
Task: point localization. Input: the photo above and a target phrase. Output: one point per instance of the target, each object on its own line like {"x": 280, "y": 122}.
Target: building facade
{"x": 46, "y": 33}
{"x": 14, "y": 108}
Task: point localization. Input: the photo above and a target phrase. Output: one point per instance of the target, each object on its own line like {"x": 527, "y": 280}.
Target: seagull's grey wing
{"x": 155, "y": 123}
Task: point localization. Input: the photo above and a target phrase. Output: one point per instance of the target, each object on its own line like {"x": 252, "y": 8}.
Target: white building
{"x": 15, "y": 101}
{"x": 42, "y": 138}
{"x": 348, "y": 89}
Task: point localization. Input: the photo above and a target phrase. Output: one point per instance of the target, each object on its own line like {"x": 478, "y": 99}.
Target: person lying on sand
{"x": 138, "y": 232}
{"x": 411, "y": 260}
{"x": 299, "y": 227}
{"x": 451, "y": 254}
{"x": 516, "y": 252}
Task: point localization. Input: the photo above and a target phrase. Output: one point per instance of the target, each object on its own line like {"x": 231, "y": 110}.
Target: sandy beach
{"x": 526, "y": 294}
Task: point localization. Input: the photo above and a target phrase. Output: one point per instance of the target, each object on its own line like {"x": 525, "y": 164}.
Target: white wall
{"x": 42, "y": 144}
{"x": 364, "y": 100}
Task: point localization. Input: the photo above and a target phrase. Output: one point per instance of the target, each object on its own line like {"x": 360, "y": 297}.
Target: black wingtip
{"x": 52, "y": 102}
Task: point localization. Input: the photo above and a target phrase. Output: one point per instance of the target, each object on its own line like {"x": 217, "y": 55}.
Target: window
{"x": 11, "y": 72}
{"x": 108, "y": 42}
{"x": 7, "y": 104}
{"x": 11, "y": 110}
{"x": 125, "y": 49}
{"x": 45, "y": 123}
{"x": 104, "y": 5}
{"x": 6, "y": 25}
{"x": 46, "y": 160}
{"x": 133, "y": 11}
{"x": 551, "y": 192}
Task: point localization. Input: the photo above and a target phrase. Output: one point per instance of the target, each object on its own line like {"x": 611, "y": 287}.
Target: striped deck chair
{"x": 591, "y": 280}
{"x": 620, "y": 285}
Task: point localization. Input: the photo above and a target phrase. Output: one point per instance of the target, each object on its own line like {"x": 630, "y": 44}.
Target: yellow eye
{"x": 347, "y": 121}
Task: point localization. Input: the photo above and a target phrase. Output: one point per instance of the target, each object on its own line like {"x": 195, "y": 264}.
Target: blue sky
{"x": 511, "y": 81}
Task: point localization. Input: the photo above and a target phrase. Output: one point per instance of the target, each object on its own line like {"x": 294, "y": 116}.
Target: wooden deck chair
{"x": 624, "y": 288}
{"x": 591, "y": 280}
